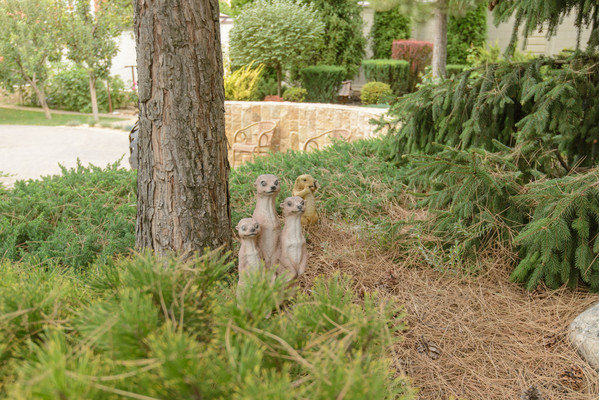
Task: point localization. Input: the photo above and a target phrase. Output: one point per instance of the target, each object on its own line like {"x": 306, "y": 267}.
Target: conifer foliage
{"x": 547, "y": 106}
{"x": 561, "y": 243}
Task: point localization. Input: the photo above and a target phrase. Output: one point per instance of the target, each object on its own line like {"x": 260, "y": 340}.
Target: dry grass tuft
{"x": 470, "y": 337}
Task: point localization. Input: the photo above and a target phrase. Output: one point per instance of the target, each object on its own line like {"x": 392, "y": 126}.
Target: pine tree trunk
{"x": 440, "y": 42}
{"x": 183, "y": 193}
{"x": 94, "y": 97}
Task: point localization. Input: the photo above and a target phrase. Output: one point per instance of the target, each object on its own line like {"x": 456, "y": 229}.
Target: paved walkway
{"x": 29, "y": 152}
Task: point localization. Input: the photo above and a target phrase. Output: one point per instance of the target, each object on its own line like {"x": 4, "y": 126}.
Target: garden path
{"x": 29, "y": 152}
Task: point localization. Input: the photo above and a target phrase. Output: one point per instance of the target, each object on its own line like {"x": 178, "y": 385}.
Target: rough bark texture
{"x": 183, "y": 194}
{"x": 94, "y": 97}
{"x": 440, "y": 45}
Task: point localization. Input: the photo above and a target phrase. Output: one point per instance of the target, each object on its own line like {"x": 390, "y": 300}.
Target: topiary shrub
{"x": 396, "y": 73}
{"x": 375, "y": 93}
{"x": 388, "y": 26}
{"x": 322, "y": 82}
{"x": 465, "y": 33}
{"x": 295, "y": 94}
{"x": 418, "y": 53}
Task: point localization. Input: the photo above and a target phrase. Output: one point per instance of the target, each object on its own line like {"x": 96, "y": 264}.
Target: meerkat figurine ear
{"x": 305, "y": 186}
{"x": 265, "y": 213}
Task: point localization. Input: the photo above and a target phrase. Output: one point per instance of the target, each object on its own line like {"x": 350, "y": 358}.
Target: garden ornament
{"x": 250, "y": 256}
{"x": 294, "y": 255}
{"x": 304, "y": 187}
{"x": 267, "y": 188}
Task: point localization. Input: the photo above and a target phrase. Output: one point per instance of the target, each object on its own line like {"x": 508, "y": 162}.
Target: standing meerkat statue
{"x": 294, "y": 255}
{"x": 265, "y": 213}
{"x": 250, "y": 256}
{"x": 304, "y": 187}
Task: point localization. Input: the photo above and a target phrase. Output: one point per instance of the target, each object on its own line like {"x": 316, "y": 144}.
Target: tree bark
{"x": 440, "y": 42}
{"x": 183, "y": 171}
{"x": 94, "y": 97}
{"x": 279, "y": 79}
{"x": 39, "y": 92}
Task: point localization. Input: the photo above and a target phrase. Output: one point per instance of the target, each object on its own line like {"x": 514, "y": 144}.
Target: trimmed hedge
{"x": 418, "y": 53}
{"x": 396, "y": 73}
{"x": 388, "y": 26}
{"x": 322, "y": 82}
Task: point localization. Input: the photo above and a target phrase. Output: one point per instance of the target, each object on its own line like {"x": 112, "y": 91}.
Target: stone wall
{"x": 297, "y": 122}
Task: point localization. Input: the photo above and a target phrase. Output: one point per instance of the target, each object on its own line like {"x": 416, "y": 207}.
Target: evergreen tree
{"x": 534, "y": 15}
{"x": 344, "y": 40}
{"x": 549, "y": 107}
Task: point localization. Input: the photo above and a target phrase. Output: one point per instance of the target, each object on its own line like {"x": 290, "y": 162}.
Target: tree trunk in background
{"x": 279, "y": 79}
{"x": 183, "y": 171}
{"x": 41, "y": 96}
{"x": 94, "y": 97}
{"x": 440, "y": 42}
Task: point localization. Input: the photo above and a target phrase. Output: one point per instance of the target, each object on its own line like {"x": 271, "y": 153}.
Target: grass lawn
{"x": 10, "y": 116}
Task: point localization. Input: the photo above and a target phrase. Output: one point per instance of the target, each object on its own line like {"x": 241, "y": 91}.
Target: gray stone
{"x": 584, "y": 335}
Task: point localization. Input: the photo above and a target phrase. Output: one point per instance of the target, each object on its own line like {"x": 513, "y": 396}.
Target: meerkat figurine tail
{"x": 305, "y": 186}
{"x": 265, "y": 213}
{"x": 250, "y": 256}
{"x": 294, "y": 254}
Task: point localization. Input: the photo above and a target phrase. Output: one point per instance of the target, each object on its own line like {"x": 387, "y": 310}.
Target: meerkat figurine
{"x": 294, "y": 255}
{"x": 250, "y": 256}
{"x": 304, "y": 187}
{"x": 265, "y": 213}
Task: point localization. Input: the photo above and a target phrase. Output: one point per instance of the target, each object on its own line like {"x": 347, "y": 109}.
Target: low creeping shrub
{"x": 160, "y": 328}
{"x": 85, "y": 215}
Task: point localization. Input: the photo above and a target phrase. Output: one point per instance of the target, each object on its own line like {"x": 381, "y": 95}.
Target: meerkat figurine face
{"x": 248, "y": 228}
{"x": 292, "y": 205}
{"x": 267, "y": 184}
{"x": 305, "y": 181}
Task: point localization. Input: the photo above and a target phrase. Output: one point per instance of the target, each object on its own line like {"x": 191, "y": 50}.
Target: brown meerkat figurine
{"x": 250, "y": 256}
{"x": 294, "y": 255}
{"x": 265, "y": 213}
{"x": 304, "y": 187}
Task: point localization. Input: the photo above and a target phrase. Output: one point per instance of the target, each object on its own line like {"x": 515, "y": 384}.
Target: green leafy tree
{"x": 344, "y": 41}
{"x": 30, "y": 38}
{"x": 441, "y": 9}
{"x": 91, "y": 42}
{"x": 279, "y": 34}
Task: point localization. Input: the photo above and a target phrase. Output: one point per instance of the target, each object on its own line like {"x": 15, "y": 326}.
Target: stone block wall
{"x": 297, "y": 122}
